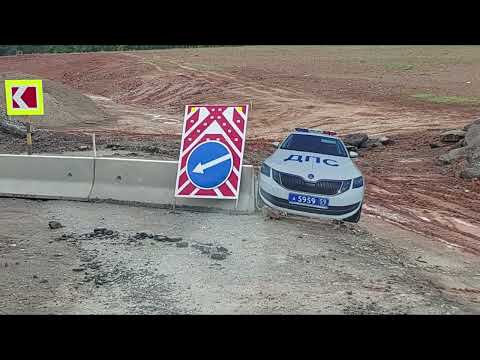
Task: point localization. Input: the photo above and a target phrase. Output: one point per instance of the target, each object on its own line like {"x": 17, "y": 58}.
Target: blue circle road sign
{"x": 209, "y": 165}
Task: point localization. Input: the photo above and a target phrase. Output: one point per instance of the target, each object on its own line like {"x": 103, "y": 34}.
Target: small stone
{"x": 182, "y": 244}
{"x": 16, "y": 263}
{"x": 218, "y": 256}
{"x": 173, "y": 239}
{"x": 222, "y": 249}
{"x": 78, "y": 269}
{"x": 55, "y": 225}
{"x": 58, "y": 255}
{"x": 349, "y": 292}
{"x": 35, "y": 276}
{"x": 43, "y": 281}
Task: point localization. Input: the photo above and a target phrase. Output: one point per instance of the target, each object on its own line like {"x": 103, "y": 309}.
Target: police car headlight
{"x": 357, "y": 182}
{"x": 265, "y": 169}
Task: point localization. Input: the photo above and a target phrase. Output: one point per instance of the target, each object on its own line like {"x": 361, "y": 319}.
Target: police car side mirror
{"x": 276, "y": 144}
{"x": 353, "y": 154}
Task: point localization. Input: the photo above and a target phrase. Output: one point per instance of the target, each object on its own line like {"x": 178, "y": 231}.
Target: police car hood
{"x": 322, "y": 166}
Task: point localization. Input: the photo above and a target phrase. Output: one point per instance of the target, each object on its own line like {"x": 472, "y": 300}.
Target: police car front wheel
{"x": 355, "y": 218}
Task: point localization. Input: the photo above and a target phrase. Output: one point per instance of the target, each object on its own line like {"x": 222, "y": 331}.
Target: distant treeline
{"x": 31, "y": 49}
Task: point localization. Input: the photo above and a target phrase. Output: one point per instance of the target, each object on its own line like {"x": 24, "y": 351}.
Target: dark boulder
{"x": 357, "y": 139}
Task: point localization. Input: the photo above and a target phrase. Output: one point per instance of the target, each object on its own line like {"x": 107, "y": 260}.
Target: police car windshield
{"x": 314, "y": 144}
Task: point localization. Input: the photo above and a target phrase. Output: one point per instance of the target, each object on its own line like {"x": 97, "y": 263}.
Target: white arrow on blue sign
{"x": 209, "y": 165}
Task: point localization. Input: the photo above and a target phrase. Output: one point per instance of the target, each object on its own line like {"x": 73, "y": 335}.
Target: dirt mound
{"x": 64, "y": 106}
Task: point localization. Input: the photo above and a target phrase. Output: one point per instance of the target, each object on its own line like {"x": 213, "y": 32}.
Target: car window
{"x": 314, "y": 144}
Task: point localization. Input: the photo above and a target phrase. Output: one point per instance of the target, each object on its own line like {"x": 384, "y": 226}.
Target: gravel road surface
{"x": 153, "y": 261}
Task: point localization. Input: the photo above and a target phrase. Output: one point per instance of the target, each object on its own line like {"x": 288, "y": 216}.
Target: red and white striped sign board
{"x": 224, "y": 125}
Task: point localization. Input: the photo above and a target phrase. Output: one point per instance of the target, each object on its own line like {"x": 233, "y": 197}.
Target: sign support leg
{"x": 94, "y": 146}
{"x": 29, "y": 138}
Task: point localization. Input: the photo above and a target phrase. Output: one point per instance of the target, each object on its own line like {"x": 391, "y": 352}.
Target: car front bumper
{"x": 340, "y": 206}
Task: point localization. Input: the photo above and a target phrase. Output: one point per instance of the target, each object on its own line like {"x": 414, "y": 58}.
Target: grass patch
{"x": 459, "y": 100}
{"x": 402, "y": 67}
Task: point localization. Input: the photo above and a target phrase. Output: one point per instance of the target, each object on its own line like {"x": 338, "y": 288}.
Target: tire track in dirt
{"x": 421, "y": 196}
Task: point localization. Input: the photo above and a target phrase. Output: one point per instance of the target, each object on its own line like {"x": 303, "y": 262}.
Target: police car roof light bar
{"x": 326, "y": 132}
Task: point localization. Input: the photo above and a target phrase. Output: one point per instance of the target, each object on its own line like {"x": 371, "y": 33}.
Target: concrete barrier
{"x": 134, "y": 180}
{"x": 50, "y": 177}
{"x": 153, "y": 182}
{"x": 122, "y": 180}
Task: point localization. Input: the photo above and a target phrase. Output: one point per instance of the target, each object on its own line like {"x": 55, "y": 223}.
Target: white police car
{"x": 312, "y": 173}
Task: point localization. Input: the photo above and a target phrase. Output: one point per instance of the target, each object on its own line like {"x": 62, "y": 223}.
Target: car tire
{"x": 355, "y": 218}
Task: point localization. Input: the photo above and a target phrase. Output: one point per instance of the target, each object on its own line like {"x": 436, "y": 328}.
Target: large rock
{"x": 385, "y": 140}
{"x": 357, "y": 139}
{"x": 473, "y": 155}
{"x": 472, "y": 137}
{"x": 470, "y": 173}
{"x": 472, "y": 169}
{"x": 467, "y": 127}
{"x": 371, "y": 143}
{"x": 12, "y": 126}
{"x": 452, "y": 155}
{"x": 452, "y": 136}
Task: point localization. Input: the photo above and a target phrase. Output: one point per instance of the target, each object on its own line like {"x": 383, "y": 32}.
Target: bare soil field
{"x": 409, "y": 93}
{"x": 376, "y": 89}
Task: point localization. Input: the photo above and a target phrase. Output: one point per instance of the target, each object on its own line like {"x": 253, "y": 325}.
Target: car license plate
{"x": 308, "y": 200}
